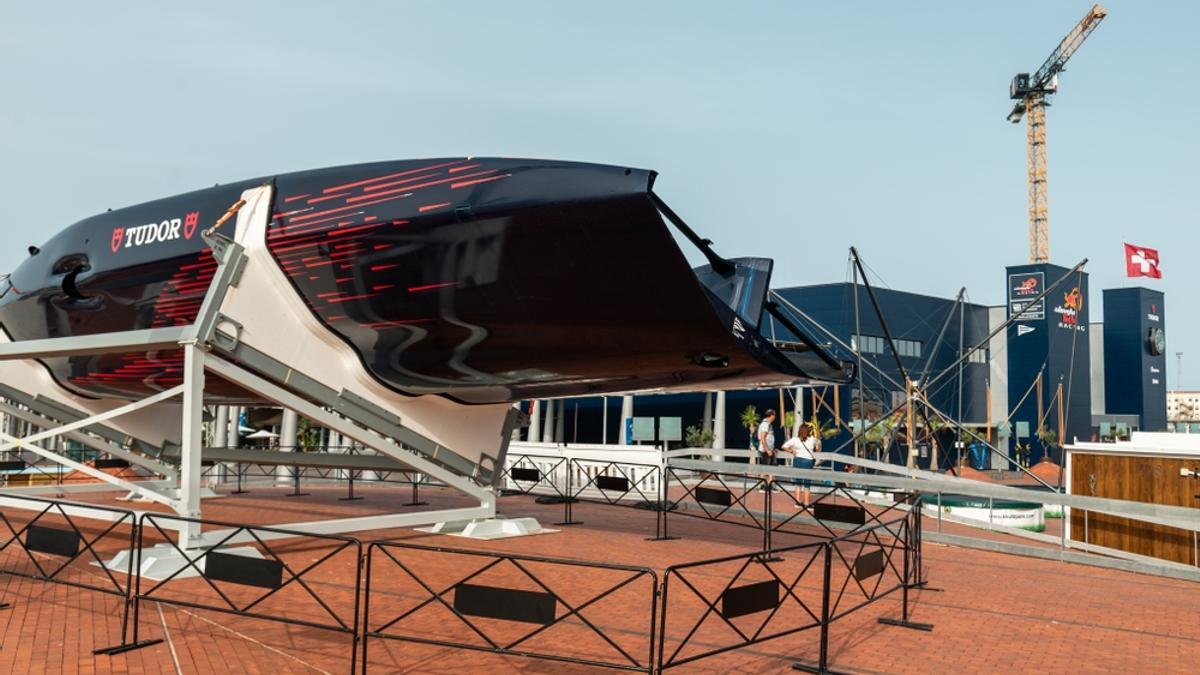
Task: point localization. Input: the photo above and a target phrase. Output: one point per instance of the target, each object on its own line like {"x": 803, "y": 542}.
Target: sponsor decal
{"x": 1023, "y": 289}
{"x": 1024, "y": 330}
{"x": 739, "y": 331}
{"x": 1070, "y": 310}
{"x": 169, "y": 229}
{"x": 189, "y": 224}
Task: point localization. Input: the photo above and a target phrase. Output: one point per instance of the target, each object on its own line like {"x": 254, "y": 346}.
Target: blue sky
{"x": 788, "y": 129}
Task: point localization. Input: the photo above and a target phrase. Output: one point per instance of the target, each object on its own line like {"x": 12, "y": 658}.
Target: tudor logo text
{"x": 153, "y": 233}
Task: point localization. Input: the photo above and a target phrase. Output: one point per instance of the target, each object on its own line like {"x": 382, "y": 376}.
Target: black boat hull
{"x": 484, "y": 280}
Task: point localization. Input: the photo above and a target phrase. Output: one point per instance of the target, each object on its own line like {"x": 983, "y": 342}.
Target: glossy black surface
{"x": 482, "y": 279}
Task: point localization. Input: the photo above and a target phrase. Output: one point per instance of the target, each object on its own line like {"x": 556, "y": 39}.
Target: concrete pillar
{"x": 706, "y": 424}
{"x": 548, "y": 423}
{"x": 288, "y": 430}
{"x": 559, "y": 415}
{"x": 799, "y": 411}
{"x": 234, "y": 437}
{"x": 535, "y": 423}
{"x": 719, "y": 423}
{"x": 220, "y": 427}
{"x": 604, "y": 420}
{"x": 626, "y": 415}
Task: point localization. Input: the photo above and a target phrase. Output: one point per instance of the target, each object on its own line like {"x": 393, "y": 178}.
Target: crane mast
{"x": 1032, "y": 95}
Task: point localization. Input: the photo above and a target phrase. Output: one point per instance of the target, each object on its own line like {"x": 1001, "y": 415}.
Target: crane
{"x": 1032, "y": 95}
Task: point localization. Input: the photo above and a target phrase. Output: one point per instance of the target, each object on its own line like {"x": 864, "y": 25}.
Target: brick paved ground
{"x": 994, "y": 612}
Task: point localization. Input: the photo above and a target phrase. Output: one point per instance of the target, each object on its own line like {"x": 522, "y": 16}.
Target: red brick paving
{"x": 996, "y": 612}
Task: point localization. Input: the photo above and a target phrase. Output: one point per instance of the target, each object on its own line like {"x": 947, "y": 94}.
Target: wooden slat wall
{"x": 1154, "y": 480}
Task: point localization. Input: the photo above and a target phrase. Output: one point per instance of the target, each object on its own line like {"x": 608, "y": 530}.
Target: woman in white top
{"x": 802, "y": 446}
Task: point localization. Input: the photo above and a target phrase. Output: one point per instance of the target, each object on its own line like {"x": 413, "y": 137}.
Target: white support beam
{"x": 140, "y": 489}
{"x": 285, "y": 398}
{"x": 193, "y": 443}
{"x": 30, "y": 443}
{"x": 91, "y": 441}
{"x": 98, "y": 417}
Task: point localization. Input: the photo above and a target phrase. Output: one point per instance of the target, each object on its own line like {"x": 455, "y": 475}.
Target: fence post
{"x": 239, "y": 490}
{"x": 663, "y": 507}
{"x": 823, "y": 661}
{"x": 362, "y": 586}
{"x": 416, "y": 497}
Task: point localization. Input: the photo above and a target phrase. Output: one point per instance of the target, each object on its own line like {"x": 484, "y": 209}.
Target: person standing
{"x": 803, "y": 447}
{"x": 766, "y": 447}
{"x": 766, "y": 438}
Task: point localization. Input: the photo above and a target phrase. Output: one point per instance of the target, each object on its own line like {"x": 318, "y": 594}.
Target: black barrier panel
{"x": 111, "y": 463}
{"x": 842, "y": 513}
{"x": 713, "y": 496}
{"x": 751, "y": 598}
{"x": 505, "y": 603}
{"x": 15, "y": 465}
{"x": 525, "y": 474}
{"x": 52, "y": 540}
{"x": 868, "y": 564}
{"x": 240, "y": 569}
{"x": 614, "y": 483}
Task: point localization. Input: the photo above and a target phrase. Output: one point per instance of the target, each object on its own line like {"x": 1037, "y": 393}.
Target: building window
{"x": 872, "y": 344}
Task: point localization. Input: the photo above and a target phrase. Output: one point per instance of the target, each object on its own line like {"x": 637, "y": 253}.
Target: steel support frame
{"x": 99, "y": 444}
{"x": 29, "y": 443}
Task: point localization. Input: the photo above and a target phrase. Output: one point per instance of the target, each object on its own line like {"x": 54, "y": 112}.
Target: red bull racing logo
{"x": 153, "y": 233}
{"x": 1070, "y": 310}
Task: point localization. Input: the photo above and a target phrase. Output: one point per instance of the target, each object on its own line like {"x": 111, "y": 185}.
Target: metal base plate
{"x": 163, "y": 560}
{"x": 490, "y": 528}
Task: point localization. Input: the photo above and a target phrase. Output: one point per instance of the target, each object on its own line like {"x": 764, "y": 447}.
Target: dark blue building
{"x": 996, "y": 392}
{"x": 1135, "y": 358}
{"x": 1049, "y": 340}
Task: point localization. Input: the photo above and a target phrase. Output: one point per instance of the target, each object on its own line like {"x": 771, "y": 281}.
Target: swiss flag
{"x": 1141, "y": 262}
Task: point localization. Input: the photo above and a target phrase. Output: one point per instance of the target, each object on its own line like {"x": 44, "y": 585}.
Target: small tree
{"x": 695, "y": 437}
{"x": 1049, "y": 439}
{"x": 750, "y": 420}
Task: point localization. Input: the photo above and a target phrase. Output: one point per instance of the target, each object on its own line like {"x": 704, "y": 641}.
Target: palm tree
{"x": 750, "y": 421}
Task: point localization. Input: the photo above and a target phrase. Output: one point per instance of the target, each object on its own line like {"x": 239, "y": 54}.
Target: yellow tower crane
{"x": 1032, "y": 94}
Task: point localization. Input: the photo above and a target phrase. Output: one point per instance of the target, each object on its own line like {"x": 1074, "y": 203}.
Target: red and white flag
{"x": 1141, "y": 262}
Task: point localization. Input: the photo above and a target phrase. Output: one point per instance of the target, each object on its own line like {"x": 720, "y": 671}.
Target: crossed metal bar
{"x": 118, "y": 517}
{"x": 338, "y": 624}
{"x": 738, "y": 500}
{"x": 710, "y": 604}
{"x": 511, "y": 647}
{"x": 526, "y": 461}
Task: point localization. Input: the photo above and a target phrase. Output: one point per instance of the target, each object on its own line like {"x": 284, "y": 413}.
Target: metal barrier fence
{"x": 555, "y": 609}
{"x": 52, "y": 545}
{"x": 737, "y": 601}
{"x": 280, "y": 474}
{"x": 565, "y": 610}
{"x": 244, "y": 575}
{"x": 570, "y": 480}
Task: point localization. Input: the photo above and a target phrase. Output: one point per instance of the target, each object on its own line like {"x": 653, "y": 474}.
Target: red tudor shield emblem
{"x": 118, "y": 235}
{"x": 189, "y": 224}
